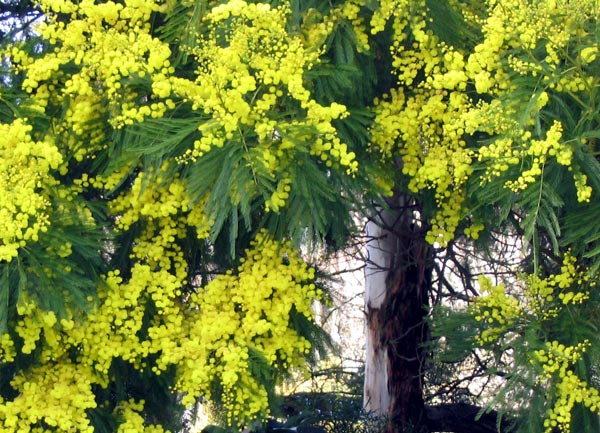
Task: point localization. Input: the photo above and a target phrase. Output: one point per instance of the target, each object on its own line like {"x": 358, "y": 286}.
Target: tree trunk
{"x": 398, "y": 278}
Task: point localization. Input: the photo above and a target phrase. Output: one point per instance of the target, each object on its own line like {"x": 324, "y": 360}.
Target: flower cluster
{"x": 133, "y": 421}
{"x": 497, "y": 310}
{"x": 556, "y": 362}
{"x": 543, "y": 298}
{"x": 513, "y": 320}
{"x": 55, "y": 394}
{"x": 240, "y": 315}
{"x": 556, "y": 358}
{"x": 250, "y": 64}
{"x": 547, "y": 296}
{"x": 449, "y": 98}
{"x": 103, "y": 69}
{"x": 423, "y": 120}
{"x": 111, "y": 47}
{"x": 215, "y": 336}
{"x": 152, "y": 197}
{"x": 570, "y": 392}
{"x": 26, "y": 171}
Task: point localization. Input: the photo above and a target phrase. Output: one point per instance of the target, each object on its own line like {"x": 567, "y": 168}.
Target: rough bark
{"x": 398, "y": 279}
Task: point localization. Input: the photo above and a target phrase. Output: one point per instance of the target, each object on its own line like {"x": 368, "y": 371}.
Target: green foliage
{"x": 162, "y": 163}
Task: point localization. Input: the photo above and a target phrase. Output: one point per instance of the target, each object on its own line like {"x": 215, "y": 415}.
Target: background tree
{"x": 16, "y": 19}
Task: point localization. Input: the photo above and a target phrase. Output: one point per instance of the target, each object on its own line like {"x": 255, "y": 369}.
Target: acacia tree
{"x": 495, "y": 119}
{"x": 162, "y": 162}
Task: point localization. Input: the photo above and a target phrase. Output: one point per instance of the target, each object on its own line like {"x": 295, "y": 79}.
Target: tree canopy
{"x": 162, "y": 163}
